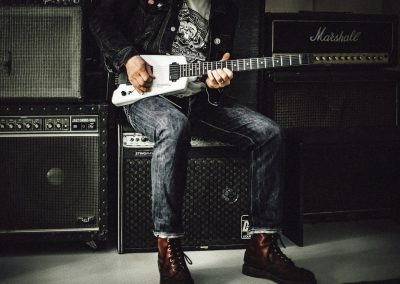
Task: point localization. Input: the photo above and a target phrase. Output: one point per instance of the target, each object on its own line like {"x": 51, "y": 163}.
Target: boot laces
{"x": 275, "y": 249}
{"x": 178, "y": 258}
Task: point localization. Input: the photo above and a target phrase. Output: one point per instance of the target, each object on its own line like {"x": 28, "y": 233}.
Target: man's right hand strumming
{"x": 139, "y": 74}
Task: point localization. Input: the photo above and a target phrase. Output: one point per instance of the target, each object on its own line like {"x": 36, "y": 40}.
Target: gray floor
{"x": 338, "y": 252}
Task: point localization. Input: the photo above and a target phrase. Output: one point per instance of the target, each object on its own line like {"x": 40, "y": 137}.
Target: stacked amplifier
{"x": 349, "y": 54}
{"x": 54, "y": 143}
{"x": 340, "y": 39}
{"x": 53, "y": 172}
{"x": 41, "y": 52}
{"x": 340, "y": 114}
{"x": 216, "y": 202}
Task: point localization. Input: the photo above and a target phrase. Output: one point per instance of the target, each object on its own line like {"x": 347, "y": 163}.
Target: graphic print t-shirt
{"x": 191, "y": 38}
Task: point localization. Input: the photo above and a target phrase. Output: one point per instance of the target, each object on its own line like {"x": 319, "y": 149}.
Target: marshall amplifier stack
{"x": 340, "y": 113}
{"x": 216, "y": 202}
{"x": 346, "y": 85}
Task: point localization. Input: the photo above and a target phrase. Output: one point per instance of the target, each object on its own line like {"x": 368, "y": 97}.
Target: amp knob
{"x": 28, "y": 125}
{"x": 36, "y": 125}
{"x": 58, "y": 125}
{"x": 49, "y": 125}
{"x": 19, "y": 125}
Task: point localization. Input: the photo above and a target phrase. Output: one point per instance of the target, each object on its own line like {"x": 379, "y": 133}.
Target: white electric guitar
{"x": 172, "y": 73}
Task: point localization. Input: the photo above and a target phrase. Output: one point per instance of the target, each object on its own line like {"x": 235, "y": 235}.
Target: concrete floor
{"x": 337, "y": 252}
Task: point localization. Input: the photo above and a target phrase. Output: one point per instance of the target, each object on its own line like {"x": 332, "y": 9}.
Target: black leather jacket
{"x": 124, "y": 28}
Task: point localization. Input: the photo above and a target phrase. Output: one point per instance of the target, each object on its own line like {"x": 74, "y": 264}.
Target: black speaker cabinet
{"x": 216, "y": 201}
{"x": 330, "y": 98}
{"x": 40, "y": 52}
{"x": 53, "y": 172}
{"x": 336, "y": 173}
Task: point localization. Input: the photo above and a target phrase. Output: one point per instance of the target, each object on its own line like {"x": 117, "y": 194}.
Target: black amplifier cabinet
{"x": 216, "y": 202}
{"x": 53, "y": 172}
{"x": 335, "y": 174}
{"x": 334, "y": 98}
{"x": 339, "y": 39}
{"x": 41, "y": 51}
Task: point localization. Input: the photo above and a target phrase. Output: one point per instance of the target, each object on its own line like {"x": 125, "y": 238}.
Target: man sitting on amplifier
{"x": 199, "y": 30}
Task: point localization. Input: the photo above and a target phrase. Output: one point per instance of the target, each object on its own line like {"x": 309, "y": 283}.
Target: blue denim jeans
{"x": 169, "y": 127}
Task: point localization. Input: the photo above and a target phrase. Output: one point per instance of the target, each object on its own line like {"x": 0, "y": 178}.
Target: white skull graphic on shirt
{"x": 191, "y": 38}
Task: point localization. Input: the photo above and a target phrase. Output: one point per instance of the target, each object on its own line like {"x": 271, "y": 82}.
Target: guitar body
{"x": 162, "y": 85}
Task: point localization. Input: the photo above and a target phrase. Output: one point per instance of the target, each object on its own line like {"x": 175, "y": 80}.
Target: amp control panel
{"x": 48, "y": 124}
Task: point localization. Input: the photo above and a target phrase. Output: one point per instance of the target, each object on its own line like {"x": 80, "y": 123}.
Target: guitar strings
{"x": 200, "y": 68}
{"x": 278, "y": 59}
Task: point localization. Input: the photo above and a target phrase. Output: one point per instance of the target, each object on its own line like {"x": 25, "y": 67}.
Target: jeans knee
{"x": 174, "y": 129}
{"x": 270, "y": 132}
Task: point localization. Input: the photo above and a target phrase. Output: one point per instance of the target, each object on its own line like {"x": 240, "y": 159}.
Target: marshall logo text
{"x": 323, "y": 36}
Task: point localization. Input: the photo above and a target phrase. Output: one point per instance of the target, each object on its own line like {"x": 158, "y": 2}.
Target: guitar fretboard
{"x": 201, "y": 68}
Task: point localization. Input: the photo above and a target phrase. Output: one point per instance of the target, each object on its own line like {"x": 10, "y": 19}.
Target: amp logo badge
{"x": 245, "y": 226}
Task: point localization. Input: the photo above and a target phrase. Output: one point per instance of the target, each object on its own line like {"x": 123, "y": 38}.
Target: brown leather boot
{"x": 264, "y": 259}
{"x": 172, "y": 262}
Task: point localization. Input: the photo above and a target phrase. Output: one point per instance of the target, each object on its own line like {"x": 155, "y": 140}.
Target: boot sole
{"x": 259, "y": 273}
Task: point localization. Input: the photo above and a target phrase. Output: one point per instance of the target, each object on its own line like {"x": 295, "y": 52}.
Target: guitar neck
{"x": 201, "y": 68}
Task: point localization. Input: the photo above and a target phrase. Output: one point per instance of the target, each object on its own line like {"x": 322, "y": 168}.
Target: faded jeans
{"x": 169, "y": 127}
